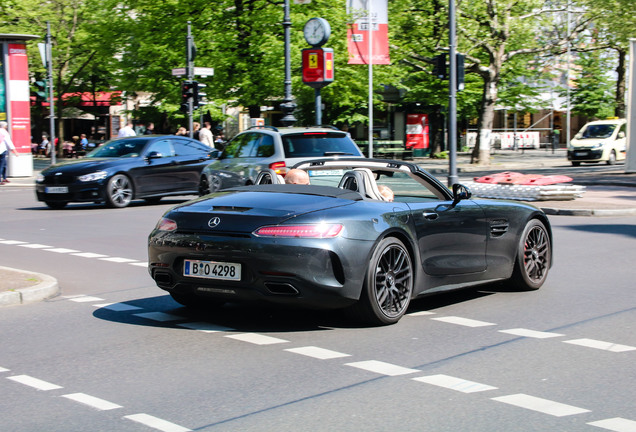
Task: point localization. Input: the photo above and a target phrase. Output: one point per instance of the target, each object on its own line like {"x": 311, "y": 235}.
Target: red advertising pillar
{"x": 14, "y": 101}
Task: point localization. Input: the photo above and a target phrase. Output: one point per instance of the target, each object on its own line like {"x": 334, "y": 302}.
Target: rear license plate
{"x": 212, "y": 270}
{"x": 56, "y": 189}
{"x": 580, "y": 153}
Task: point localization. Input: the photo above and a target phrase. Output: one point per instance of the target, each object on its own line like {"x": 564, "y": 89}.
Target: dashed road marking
{"x": 616, "y": 424}
{"x": 156, "y": 423}
{"x": 463, "y": 321}
{"x": 97, "y": 403}
{"x": 85, "y": 299}
{"x": 319, "y": 353}
{"x": 420, "y": 313}
{"x": 544, "y": 406}
{"x": 607, "y": 346}
{"x": 531, "y": 333}
{"x": 12, "y": 242}
{"x": 453, "y": 383}
{"x": 35, "y": 246}
{"x": 159, "y": 316}
{"x": 117, "y": 307}
{"x": 257, "y": 339}
{"x": 34, "y": 382}
{"x": 61, "y": 250}
{"x": 382, "y": 368}
{"x": 4, "y": 370}
{"x": 89, "y": 255}
{"x": 118, "y": 260}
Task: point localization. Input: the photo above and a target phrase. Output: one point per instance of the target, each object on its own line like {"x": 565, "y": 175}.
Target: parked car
{"x": 599, "y": 141}
{"x": 340, "y": 242}
{"x": 120, "y": 170}
{"x": 266, "y": 147}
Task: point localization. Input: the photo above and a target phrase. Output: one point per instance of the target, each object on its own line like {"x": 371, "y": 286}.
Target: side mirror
{"x": 460, "y": 192}
{"x": 154, "y": 155}
{"x": 621, "y": 135}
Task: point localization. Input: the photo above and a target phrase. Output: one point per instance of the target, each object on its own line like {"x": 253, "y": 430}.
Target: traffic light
{"x": 188, "y": 90}
{"x": 40, "y": 93}
{"x": 199, "y": 96}
{"x": 439, "y": 66}
{"x": 460, "y": 71}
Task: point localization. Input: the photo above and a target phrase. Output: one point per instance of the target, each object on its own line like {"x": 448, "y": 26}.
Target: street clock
{"x": 317, "y": 31}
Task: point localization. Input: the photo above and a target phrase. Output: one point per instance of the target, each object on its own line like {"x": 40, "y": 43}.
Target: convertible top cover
{"x": 326, "y": 191}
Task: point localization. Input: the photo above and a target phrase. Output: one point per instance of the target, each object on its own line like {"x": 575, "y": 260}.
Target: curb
{"x": 47, "y": 288}
{"x": 589, "y": 212}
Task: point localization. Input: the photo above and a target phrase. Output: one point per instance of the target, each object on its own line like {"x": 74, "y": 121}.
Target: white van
{"x": 599, "y": 141}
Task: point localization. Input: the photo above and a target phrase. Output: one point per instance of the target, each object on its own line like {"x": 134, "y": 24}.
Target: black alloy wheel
{"x": 56, "y": 205}
{"x": 388, "y": 285}
{"x": 534, "y": 257}
{"x": 119, "y": 191}
{"x": 204, "y": 186}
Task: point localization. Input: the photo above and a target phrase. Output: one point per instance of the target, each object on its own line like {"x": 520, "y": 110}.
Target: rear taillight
{"x": 302, "y": 231}
{"x": 278, "y": 167}
{"x": 166, "y": 224}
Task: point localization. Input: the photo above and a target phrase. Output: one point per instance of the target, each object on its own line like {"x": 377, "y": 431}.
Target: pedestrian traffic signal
{"x": 40, "y": 93}
{"x": 439, "y": 66}
{"x": 199, "y": 96}
{"x": 460, "y": 71}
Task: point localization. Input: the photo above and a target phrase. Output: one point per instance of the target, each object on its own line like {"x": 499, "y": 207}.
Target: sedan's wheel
{"x": 533, "y": 257}
{"x": 56, "y": 205}
{"x": 119, "y": 191}
{"x": 216, "y": 183}
{"x": 576, "y": 163}
{"x": 204, "y": 186}
{"x": 388, "y": 285}
{"x": 611, "y": 160}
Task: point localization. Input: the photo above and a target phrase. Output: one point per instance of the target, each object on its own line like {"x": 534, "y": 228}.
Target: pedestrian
{"x": 205, "y": 135}
{"x": 150, "y": 129}
{"x": 6, "y": 146}
{"x": 182, "y": 131}
{"x": 45, "y": 146}
{"x": 126, "y": 131}
{"x": 196, "y": 129}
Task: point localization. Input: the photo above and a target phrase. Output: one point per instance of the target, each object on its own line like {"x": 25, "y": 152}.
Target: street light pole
{"x": 190, "y": 75}
{"x": 452, "y": 96}
{"x": 288, "y": 106}
{"x": 49, "y": 72}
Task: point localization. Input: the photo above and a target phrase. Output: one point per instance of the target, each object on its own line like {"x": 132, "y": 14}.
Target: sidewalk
{"x": 609, "y": 192}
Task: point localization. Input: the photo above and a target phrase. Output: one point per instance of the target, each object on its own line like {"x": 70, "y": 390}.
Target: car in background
{"x": 599, "y": 141}
{"x": 146, "y": 167}
{"x": 341, "y": 242}
{"x": 266, "y": 147}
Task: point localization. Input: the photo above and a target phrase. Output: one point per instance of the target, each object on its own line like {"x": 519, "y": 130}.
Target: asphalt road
{"x": 113, "y": 352}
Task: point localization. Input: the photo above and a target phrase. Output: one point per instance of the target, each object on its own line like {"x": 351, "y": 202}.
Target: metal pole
{"x": 190, "y": 75}
{"x": 49, "y": 71}
{"x": 370, "y": 34}
{"x": 318, "y": 107}
{"x": 288, "y": 106}
{"x": 452, "y": 97}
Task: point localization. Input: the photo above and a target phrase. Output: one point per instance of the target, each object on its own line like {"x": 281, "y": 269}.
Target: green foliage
{"x": 592, "y": 93}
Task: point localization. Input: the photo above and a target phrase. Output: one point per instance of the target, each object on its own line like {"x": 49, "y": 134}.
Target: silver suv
{"x": 266, "y": 147}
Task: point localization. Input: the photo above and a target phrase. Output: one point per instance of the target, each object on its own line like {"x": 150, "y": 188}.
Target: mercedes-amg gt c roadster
{"x": 368, "y": 235}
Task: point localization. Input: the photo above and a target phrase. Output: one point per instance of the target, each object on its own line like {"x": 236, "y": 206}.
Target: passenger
{"x": 386, "y": 193}
{"x": 297, "y": 176}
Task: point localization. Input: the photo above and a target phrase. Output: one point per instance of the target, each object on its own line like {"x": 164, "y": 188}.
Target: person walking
{"x": 205, "y": 135}
{"x": 126, "y": 131}
{"x": 6, "y": 146}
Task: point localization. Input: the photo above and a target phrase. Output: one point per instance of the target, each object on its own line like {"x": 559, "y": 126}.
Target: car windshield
{"x": 319, "y": 144}
{"x": 119, "y": 148}
{"x": 598, "y": 131}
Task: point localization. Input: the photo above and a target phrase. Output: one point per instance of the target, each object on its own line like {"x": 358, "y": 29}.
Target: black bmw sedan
{"x": 146, "y": 167}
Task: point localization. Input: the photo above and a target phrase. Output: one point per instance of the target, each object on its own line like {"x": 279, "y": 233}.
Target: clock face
{"x": 317, "y": 31}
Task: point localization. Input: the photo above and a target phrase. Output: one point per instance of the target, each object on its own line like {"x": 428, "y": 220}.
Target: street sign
{"x": 179, "y": 71}
{"x": 199, "y": 71}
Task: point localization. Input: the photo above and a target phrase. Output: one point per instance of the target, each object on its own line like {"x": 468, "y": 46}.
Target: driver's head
{"x": 297, "y": 176}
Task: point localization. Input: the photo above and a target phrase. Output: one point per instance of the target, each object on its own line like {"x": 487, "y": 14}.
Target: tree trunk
{"x": 481, "y": 152}
{"x": 620, "y": 85}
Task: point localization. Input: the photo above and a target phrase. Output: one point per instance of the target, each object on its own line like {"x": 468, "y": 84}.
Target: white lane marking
{"x": 61, "y": 250}
{"x": 118, "y": 260}
{"x": 159, "y": 316}
{"x": 421, "y": 313}
{"x": 85, "y": 299}
{"x": 530, "y": 333}
{"x": 463, "y": 321}
{"x": 616, "y": 424}
{"x": 382, "y": 368}
{"x": 97, "y": 403}
{"x": 12, "y": 242}
{"x": 35, "y": 246}
{"x": 607, "y": 346}
{"x": 453, "y": 383}
{"x": 89, "y": 255}
{"x": 156, "y": 423}
{"x": 4, "y": 370}
{"x": 34, "y": 382}
{"x": 140, "y": 264}
{"x": 541, "y": 405}
{"x": 257, "y": 339}
{"x": 316, "y": 352}
{"x": 117, "y": 307}
{"x": 205, "y": 327}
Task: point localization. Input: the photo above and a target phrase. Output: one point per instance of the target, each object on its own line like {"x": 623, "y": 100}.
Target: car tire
{"x": 153, "y": 200}
{"x": 204, "y": 186}
{"x": 388, "y": 284}
{"x": 194, "y": 301}
{"x": 575, "y": 164}
{"x": 56, "y": 205}
{"x": 119, "y": 191}
{"x": 611, "y": 160}
{"x": 534, "y": 256}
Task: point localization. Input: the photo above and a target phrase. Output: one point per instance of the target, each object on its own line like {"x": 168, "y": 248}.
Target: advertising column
{"x": 14, "y": 106}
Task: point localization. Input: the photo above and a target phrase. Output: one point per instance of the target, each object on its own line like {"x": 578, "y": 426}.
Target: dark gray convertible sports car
{"x": 343, "y": 241}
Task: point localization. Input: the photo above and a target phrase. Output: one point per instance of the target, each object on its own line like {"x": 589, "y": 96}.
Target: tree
{"x": 592, "y": 94}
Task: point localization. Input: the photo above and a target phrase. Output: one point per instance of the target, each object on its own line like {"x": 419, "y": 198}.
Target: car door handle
{"x": 430, "y": 216}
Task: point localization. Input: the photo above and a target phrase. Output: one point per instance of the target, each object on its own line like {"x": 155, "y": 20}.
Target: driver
{"x": 297, "y": 176}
